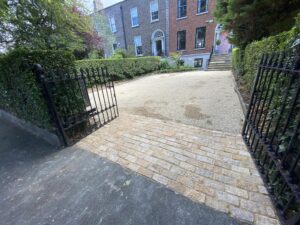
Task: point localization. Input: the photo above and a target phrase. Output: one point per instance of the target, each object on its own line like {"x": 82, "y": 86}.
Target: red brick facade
{"x": 190, "y": 23}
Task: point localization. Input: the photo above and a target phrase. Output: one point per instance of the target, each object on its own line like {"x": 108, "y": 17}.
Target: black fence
{"x": 272, "y": 130}
{"x": 79, "y": 101}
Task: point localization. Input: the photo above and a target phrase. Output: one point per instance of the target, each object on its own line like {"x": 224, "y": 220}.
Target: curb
{"x": 30, "y": 128}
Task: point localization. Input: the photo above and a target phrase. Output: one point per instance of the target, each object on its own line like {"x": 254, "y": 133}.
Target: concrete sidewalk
{"x": 41, "y": 185}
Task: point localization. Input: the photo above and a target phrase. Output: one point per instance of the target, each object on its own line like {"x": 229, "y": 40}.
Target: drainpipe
{"x": 123, "y": 25}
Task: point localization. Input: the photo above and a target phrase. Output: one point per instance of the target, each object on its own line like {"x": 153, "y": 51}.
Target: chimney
{"x": 97, "y": 5}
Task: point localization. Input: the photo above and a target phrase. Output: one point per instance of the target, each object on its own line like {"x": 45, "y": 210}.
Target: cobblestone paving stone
{"x": 210, "y": 167}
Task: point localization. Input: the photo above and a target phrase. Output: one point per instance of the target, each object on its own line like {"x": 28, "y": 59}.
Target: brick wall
{"x": 115, "y": 11}
{"x": 145, "y": 28}
{"x": 190, "y": 23}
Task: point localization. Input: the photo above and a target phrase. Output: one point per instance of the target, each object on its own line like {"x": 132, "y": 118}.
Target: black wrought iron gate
{"x": 272, "y": 130}
{"x": 79, "y": 101}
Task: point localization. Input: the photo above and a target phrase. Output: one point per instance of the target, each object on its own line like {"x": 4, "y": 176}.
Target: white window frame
{"x": 132, "y": 10}
{"x": 112, "y": 24}
{"x": 136, "y": 45}
{"x": 151, "y": 11}
{"x": 199, "y": 7}
{"x": 179, "y": 9}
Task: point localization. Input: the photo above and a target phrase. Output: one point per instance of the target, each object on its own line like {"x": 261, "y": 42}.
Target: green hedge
{"x": 237, "y": 61}
{"x": 126, "y": 68}
{"x": 20, "y": 93}
{"x": 247, "y": 64}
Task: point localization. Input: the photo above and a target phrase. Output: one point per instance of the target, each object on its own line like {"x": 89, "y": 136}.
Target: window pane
{"x": 112, "y": 24}
{"x": 200, "y": 37}
{"x": 134, "y": 17}
{"x": 181, "y": 40}
{"x": 154, "y": 10}
{"x": 181, "y": 8}
{"x": 138, "y": 45}
{"x": 202, "y": 6}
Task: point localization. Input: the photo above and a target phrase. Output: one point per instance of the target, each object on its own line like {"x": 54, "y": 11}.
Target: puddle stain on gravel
{"x": 193, "y": 112}
{"x": 148, "y": 112}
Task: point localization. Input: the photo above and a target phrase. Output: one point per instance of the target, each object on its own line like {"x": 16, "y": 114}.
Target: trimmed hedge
{"x": 20, "y": 93}
{"x": 126, "y": 68}
{"x": 237, "y": 61}
{"x": 246, "y": 63}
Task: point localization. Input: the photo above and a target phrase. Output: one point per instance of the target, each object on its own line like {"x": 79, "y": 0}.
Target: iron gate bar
{"x": 75, "y": 102}
{"x": 272, "y": 115}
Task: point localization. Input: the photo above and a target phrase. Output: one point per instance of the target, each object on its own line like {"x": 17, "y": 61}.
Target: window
{"x": 181, "y": 40}
{"x": 202, "y": 6}
{"x": 200, "y": 37}
{"x": 181, "y": 8}
{"x": 115, "y": 46}
{"x": 134, "y": 17}
{"x": 154, "y": 10}
{"x": 112, "y": 24}
{"x": 198, "y": 62}
{"x": 138, "y": 45}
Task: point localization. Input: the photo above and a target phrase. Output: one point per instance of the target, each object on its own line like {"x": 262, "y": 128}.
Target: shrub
{"x": 123, "y": 53}
{"x": 164, "y": 64}
{"x": 176, "y": 57}
{"x": 255, "y": 50}
{"x": 20, "y": 92}
{"x": 123, "y": 68}
{"x": 237, "y": 61}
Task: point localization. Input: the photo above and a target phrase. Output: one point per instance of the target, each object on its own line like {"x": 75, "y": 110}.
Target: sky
{"x": 106, "y": 3}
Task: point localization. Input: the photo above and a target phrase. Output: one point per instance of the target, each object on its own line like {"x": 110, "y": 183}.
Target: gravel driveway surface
{"x": 199, "y": 98}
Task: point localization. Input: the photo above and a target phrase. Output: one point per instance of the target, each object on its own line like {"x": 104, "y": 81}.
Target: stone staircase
{"x": 220, "y": 62}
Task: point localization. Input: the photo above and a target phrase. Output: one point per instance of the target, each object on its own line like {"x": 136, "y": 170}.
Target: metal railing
{"x": 79, "y": 101}
{"x": 272, "y": 130}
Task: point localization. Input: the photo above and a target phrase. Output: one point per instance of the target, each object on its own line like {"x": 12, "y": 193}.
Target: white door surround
{"x": 158, "y": 41}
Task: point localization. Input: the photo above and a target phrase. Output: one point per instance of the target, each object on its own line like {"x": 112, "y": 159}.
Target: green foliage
{"x": 164, "y": 64}
{"x": 20, "y": 93}
{"x": 218, "y": 42}
{"x": 43, "y": 24}
{"x": 123, "y": 68}
{"x": 237, "y": 61}
{"x": 255, "y": 50}
{"x": 123, "y": 53}
{"x": 176, "y": 57}
{"x": 253, "y": 20}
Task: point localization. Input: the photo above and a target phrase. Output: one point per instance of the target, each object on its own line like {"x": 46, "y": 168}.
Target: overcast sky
{"x": 106, "y": 3}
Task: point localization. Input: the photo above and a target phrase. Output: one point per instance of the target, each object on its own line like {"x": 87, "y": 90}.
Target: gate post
{"x": 40, "y": 76}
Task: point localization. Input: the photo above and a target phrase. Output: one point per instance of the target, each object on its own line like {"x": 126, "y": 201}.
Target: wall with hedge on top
{"x": 125, "y": 68}
{"x": 20, "y": 93}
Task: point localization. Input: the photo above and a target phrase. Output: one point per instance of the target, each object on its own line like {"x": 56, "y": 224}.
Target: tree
{"x": 42, "y": 24}
{"x": 251, "y": 20}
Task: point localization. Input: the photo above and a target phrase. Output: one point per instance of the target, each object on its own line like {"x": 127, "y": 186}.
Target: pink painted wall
{"x": 225, "y": 45}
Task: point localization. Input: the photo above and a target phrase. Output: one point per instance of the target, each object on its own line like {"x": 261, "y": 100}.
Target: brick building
{"x": 192, "y": 30}
{"x": 115, "y": 19}
{"x": 159, "y": 27}
{"x": 146, "y": 26}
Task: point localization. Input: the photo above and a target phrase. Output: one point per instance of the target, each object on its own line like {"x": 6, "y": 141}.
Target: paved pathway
{"x": 207, "y": 166}
{"x": 203, "y": 99}
{"x": 40, "y": 185}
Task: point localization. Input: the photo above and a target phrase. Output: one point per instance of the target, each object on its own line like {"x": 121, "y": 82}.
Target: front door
{"x": 159, "y": 50}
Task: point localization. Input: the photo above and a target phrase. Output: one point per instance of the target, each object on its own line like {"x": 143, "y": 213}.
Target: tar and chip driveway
{"x": 202, "y": 99}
